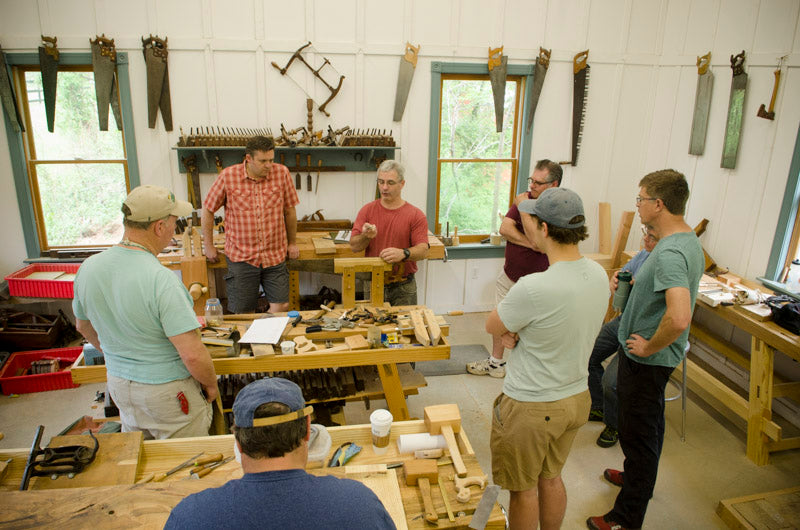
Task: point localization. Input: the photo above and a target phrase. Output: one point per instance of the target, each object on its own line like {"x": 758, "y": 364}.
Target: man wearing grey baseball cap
{"x": 141, "y": 317}
{"x": 550, "y": 320}
{"x": 272, "y": 430}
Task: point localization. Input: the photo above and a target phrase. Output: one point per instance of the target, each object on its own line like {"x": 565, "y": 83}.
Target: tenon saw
{"x": 498, "y": 68}
{"x": 733, "y": 127}
{"x": 48, "y": 64}
{"x": 408, "y": 63}
{"x": 539, "y": 71}
{"x": 702, "y": 105}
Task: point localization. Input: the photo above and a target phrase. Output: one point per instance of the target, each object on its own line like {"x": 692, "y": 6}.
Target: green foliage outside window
{"x": 472, "y": 193}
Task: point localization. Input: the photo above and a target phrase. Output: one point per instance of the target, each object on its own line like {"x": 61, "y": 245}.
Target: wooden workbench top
{"x": 149, "y": 504}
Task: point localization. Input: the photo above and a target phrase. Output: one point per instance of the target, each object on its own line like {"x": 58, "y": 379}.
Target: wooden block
{"x": 421, "y": 468}
{"x": 419, "y": 327}
{"x": 729, "y": 279}
{"x": 434, "y": 331}
{"x": 323, "y": 246}
{"x": 357, "y": 342}
{"x": 604, "y": 228}
{"x": 438, "y": 415}
{"x": 261, "y": 350}
{"x": 300, "y": 341}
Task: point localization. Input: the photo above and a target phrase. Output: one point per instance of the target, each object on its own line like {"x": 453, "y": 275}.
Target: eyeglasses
{"x": 537, "y": 183}
{"x": 640, "y": 199}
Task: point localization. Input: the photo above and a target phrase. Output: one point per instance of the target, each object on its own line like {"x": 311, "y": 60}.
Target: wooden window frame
{"x": 17, "y": 144}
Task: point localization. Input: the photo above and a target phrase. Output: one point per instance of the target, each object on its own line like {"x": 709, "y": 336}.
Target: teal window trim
{"x": 785, "y": 225}
{"x": 16, "y": 147}
{"x": 437, "y": 69}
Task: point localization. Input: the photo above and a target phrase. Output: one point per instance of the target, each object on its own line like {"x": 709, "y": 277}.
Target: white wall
{"x": 641, "y": 96}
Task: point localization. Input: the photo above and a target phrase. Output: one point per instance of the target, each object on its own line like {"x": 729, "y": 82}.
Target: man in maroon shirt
{"x": 522, "y": 258}
{"x": 260, "y": 227}
{"x": 394, "y": 230}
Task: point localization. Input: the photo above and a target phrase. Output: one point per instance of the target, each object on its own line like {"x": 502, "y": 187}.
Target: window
{"x": 785, "y": 245}
{"x": 475, "y": 172}
{"x": 70, "y": 183}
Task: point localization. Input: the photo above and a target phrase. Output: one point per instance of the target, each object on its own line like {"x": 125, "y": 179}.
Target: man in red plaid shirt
{"x": 260, "y": 227}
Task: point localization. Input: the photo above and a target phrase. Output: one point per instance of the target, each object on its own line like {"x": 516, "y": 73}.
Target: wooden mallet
{"x": 423, "y": 473}
{"x": 446, "y": 420}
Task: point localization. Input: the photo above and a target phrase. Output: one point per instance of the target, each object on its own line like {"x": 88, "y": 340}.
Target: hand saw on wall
{"x": 580, "y": 91}
{"x": 702, "y": 105}
{"x": 104, "y": 65}
{"x": 48, "y": 65}
{"x": 733, "y": 126}
{"x": 155, "y": 57}
{"x": 316, "y": 71}
{"x": 539, "y": 72}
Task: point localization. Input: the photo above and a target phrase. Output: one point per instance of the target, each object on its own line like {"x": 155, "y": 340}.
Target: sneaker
{"x": 487, "y": 367}
{"x": 614, "y": 476}
{"x": 595, "y": 415}
{"x": 600, "y": 523}
{"x": 608, "y": 437}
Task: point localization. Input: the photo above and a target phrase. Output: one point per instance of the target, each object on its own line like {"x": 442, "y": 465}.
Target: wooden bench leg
{"x": 760, "y": 407}
{"x": 294, "y": 290}
{"x": 393, "y": 390}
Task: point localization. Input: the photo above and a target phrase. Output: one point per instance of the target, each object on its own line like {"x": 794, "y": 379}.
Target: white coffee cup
{"x": 287, "y": 347}
{"x": 381, "y": 421}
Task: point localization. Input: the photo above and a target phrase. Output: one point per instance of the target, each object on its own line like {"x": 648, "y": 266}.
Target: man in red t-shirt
{"x": 394, "y": 230}
{"x": 260, "y": 227}
{"x": 522, "y": 258}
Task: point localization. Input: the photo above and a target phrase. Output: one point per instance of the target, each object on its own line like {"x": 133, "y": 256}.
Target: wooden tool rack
{"x": 127, "y": 504}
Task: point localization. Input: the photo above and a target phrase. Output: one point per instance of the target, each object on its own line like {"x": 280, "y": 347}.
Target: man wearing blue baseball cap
{"x": 141, "y": 317}
{"x": 550, "y": 319}
{"x": 272, "y": 429}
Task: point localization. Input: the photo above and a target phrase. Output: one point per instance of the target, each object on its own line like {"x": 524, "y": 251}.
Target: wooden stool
{"x": 348, "y": 267}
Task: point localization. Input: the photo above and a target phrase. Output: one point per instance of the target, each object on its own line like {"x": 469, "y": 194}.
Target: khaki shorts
{"x": 503, "y": 285}
{"x": 156, "y": 411}
{"x": 533, "y": 439}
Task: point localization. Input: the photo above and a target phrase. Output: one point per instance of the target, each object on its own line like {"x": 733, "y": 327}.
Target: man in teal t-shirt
{"x": 653, "y": 333}
{"x": 140, "y": 316}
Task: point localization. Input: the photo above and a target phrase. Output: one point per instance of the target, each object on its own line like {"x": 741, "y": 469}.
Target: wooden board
{"x": 115, "y": 463}
{"x": 774, "y": 509}
{"x": 383, "y": 482}
{"x": 323, "y": 246}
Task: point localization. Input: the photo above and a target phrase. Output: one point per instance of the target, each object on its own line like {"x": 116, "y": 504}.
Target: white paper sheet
{"x": 265, "y": 330}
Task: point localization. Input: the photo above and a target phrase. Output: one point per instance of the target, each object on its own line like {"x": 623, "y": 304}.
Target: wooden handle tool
{"x": 208, "y": 459}
{"x": 422, "y": 473}
{"x": 446, "y": 420}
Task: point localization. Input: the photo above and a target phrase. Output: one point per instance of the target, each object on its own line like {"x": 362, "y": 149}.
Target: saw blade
{"x": 498, "y": 68}
{"x": 8, "y": 97}
{"x": 580, "y": 92}
{"x": 408, "y": 64}
{"x": 733, "y": 126}
{"x": 539, "y": 72}
{"x": 702, "y": 105}
{"x": 48, "y": 64}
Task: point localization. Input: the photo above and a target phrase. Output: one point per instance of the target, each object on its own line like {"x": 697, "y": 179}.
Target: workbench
{"x": 196, "y": 269}
{"x": 136, "y": 505}
{"x": 385, "y": 359}
{"x": 763, "y": 434}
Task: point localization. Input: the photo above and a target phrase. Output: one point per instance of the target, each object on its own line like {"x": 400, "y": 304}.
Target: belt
{"x": 402, "y": 280}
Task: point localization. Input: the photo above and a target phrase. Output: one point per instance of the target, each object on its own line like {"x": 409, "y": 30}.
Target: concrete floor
{"x": 693, "y": 477}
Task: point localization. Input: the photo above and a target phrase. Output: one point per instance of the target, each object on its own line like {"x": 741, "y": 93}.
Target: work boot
{"x": 488, "y": 366}
{"x": 601, "y": 523}
{"x": 608, "y": 437}
{"x": 614, "y": 476}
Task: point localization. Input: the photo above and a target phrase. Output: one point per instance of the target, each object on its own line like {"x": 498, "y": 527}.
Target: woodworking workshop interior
{"x": 400, "y": 263}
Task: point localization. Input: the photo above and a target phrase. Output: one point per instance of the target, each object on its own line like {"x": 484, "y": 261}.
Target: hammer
{"x": 423, "y": 472}
{"x": 446, "y": 420}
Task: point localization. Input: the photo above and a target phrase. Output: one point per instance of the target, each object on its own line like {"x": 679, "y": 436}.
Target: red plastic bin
{"x": 25, "y": 384}
{"x": 20, "y": 285}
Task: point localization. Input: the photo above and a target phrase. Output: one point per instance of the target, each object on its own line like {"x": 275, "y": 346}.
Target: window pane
{"x": 77, "y": 135}
{"x": 471, "y": 194}
{"x": 468, "y": 125}
{"x": 81, "y": 203}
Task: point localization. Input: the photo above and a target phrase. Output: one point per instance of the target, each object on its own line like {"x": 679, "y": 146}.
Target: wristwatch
{"x": 406, "y": 254}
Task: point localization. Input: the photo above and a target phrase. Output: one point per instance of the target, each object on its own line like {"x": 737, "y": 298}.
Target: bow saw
{"x": 298, "y": 56}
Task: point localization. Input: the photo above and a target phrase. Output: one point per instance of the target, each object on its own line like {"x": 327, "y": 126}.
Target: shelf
{"x": 358, "y": 158}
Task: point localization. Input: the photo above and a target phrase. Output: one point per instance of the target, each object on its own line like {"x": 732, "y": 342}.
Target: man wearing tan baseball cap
{"x": 140, "y": 316}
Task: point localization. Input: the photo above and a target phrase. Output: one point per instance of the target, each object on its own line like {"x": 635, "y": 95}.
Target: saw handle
{"x": 579, "y": 61}
{"x": 411, "y": 54}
